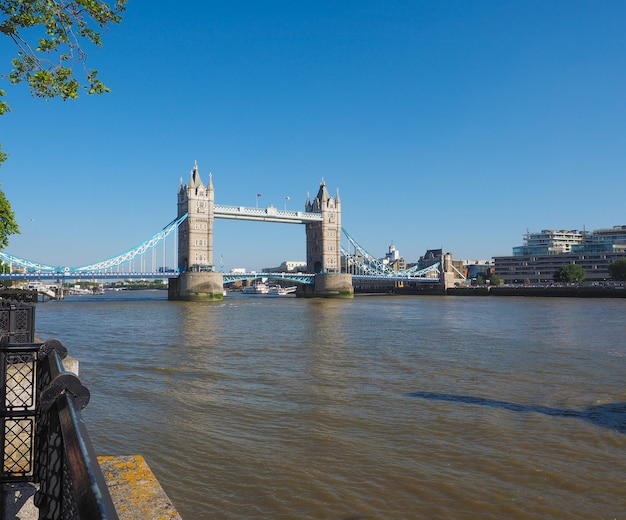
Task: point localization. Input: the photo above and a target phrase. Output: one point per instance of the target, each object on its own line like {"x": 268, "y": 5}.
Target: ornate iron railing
{"x": 43, "y": 436}
{"x": 17, "y": 320}
{"x": 71, "y": 482}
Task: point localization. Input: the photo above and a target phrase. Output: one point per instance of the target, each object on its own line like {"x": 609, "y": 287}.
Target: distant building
{"x": 542, "y": 254}
{"x": 603, "y": 240}
{"x": 549, "y": 242}
{"x": 432, "y": 257}
{"x": 288, "y": 266}
{"x": 478, "y": 268}
{"x": 392, "y": 255}
{"x": 393, "y": 259}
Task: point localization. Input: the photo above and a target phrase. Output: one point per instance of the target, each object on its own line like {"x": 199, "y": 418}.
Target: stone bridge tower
{"x": 197, "y": 280}
{"x": 323, "y": 239}
{"x": 195, "y": 235}
{"x": 323, "y": 248}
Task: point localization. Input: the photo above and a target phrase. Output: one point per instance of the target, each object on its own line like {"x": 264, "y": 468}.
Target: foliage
{"x": 8, "y": 226}
{"x": 135, "y": 285}
{"x": 570, "y": 273}
{"x": 617, "y": 269}
{"x": 50, "y": 37}
{"x": 495, "y": 280}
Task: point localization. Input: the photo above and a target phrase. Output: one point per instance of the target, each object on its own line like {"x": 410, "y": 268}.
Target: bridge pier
{"x": 328, "y": 285}
{"x": 196, "y": 286}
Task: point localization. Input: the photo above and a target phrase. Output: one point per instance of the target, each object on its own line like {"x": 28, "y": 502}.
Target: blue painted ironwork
{"x": 96, "y": 275}
{"x": 98, "y": 267}
{"x": 360, "y": 264}
{"x": 363, "y": 265}
{"x": 303, "y": 278}
{"x": 387, "y": 278}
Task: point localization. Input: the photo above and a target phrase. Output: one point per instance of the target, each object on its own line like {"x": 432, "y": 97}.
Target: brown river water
{"x": 373, "y": 408}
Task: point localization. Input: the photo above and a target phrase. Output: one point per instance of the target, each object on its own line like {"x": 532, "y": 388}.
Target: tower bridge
{"x": 199, "y": 281}
{"x": 330, "y": 267}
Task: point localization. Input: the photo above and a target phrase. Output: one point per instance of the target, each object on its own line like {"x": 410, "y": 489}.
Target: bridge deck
{"x": 270, "y": 214}
{"x": 305, "y": 278}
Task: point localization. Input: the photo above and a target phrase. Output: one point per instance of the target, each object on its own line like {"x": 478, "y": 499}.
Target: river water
{"x": 373, "y": 408}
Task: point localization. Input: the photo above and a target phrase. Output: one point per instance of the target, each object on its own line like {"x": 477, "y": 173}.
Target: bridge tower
{"x": 195, "y": 235}
{"x": 323, "y": 239}
{"x": 196, "y": 281}
{"x": 323, "y": 248}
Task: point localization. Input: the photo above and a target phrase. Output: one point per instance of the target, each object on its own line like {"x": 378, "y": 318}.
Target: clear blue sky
{"x": 447, "y": 124}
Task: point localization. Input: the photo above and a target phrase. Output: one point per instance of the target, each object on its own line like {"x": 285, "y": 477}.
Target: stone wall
{"x": 550, "y": 291}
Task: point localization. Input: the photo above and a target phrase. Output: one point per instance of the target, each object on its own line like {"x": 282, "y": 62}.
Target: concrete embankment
{"x": 135, "y": 491}
{"x": 550, "y": 291}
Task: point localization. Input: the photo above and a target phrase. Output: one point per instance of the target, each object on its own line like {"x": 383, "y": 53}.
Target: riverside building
{"x": 543, "y": 253}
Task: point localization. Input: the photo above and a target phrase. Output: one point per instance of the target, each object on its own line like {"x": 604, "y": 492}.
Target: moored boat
{"x": 278, "y": 290}
{"x": 257, "y": 288}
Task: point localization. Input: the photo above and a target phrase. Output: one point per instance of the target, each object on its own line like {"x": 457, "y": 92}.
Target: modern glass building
{"x": 542, "y": 254}
{"x": 549, "y": 242}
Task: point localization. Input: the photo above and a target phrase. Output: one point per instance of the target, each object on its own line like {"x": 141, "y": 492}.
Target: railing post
{"x": 17, "y": 394}
{"x": 43, "y": 436}
{"x": 71, "y": 482}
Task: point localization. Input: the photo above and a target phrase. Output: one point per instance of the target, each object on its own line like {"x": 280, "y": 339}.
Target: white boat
{"x": 278, "y": 290}
{"x": 257, "y": 288}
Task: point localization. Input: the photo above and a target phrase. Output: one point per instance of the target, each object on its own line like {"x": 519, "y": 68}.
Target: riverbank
{"x": 501, "y": 290}
{"x": 549, "y": 291}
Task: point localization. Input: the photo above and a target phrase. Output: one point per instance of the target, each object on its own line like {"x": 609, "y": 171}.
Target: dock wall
{"x": 542, "y": 292}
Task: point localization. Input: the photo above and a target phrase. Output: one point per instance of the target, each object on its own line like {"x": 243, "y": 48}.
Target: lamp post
{"x": 257, "y": 200}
